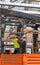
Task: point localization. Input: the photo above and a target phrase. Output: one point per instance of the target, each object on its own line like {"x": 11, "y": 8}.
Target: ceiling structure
{"x": 34, "y": 0}
{"x": 29, "y": 15}
{"x": 7, "y": 12}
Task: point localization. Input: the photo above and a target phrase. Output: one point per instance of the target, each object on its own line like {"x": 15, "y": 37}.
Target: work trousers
{"x": 17, "y": 51}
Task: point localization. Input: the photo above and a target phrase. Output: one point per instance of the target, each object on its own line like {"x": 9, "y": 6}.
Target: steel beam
{"x": 33, "y": 0}
{"x": 29, "y": 12}
{"x": 18, "y": 14}
{"x": 20, "y": 4}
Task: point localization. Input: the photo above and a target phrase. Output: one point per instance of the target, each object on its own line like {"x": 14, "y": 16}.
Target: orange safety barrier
{"x": 15, "y": 59}
{"x": 0, "y": 59}
{"x": 20, "y": 59}
{"x": 31, "y": 59}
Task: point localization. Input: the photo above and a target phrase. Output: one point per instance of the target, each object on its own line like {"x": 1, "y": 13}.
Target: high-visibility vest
{"x": 16, "y": 44}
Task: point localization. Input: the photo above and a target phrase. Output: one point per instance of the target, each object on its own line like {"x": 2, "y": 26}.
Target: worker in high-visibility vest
{"x": 16, "y": 45}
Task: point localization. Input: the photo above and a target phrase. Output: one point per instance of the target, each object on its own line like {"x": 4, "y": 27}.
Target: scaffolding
{"x": 10, "y": 16}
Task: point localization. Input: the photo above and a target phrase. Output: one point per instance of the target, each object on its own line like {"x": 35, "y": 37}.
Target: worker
{"x": 16, "y": 45}
{"x": 23, "y": 44}
{"x": 23, "y": 47}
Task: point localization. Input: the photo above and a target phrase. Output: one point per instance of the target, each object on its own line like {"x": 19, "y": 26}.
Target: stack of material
{"x": 6, "y": 34}
{"x": 37, "y": 47}
{"x": 39, "y": 34}
{"x": 29, "y": 40}
{"x": 37, "y": 44}
{"x": 30, "y": 37}
{"x": 14, "y": 29}
{"x": 8, "y": 31}
{"x": 38, "y": 40}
